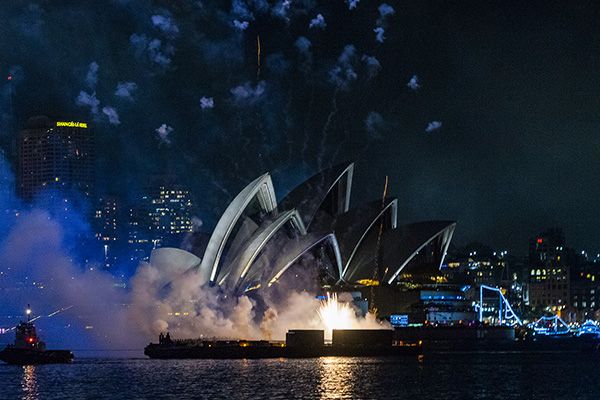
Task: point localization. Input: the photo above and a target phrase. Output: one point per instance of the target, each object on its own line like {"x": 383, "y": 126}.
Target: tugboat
{"x": 28, "y": 349}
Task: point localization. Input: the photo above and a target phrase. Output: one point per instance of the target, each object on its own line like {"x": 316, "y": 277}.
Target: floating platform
{"x": 299, "y": 344}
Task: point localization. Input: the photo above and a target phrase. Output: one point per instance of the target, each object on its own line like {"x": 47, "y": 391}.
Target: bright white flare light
{"x": 336, "y": 315}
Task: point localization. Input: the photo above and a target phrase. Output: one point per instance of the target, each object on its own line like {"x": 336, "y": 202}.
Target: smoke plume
{"x": 317, "y": 22}
{"x": 125, "y": 90}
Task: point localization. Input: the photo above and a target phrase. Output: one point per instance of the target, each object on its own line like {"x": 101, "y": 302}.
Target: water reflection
{"x": 337, "y": 377}
{"x": 29, "y": 383}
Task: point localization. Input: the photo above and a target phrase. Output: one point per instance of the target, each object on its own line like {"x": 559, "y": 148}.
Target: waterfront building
{"x": 162, "y": 216}
{"x": 55, "y": 154}
{"x": 585, "y": 291}
{"x": 550, "y": 262}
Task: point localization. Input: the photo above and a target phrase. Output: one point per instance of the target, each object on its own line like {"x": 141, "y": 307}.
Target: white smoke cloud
{"x": 125, "y": 90}
{"x": 158, "y": 53}
{"x": 281, "y": 9}
{"x": 207, "y": 103}
{"x": 303, "y": 44}
{"x": 385, "y": 10}
{"x": 318, "y": 22}
{"x": 433, "y": 126}
{"x": 352, "y": 4}
{"x": 154, "y": 49}
{"x": 86, "y": 99}
{"x": 374, "y": 123}
{"x": 241, "y": 25}
{"x": 197, "y": 224}
{"x": 111, "y": 113}
{"x": 247, "y": 93}
{"x": 372, "y": 64}
{"x": 31, "y": 21}
{"x": 343, "y": 74}
{"x": 91, "y": 78}
{"x": 413, "y": 83}
{"x": 163, "y": 133}
{"x": 240, "y": 9}
{"x": 165, "y": 24}
{"x": 379, "y": 34}
{"x": 208, "y": 312}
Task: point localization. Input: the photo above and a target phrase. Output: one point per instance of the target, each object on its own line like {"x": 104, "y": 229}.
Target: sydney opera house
{"x": 261, "y": 241}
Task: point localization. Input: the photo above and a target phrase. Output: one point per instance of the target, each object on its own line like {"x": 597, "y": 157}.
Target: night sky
{"x": 514, "y": 85}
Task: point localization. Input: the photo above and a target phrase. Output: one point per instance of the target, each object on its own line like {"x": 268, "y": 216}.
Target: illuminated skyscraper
{"x": 106, "y": 222}
{"x": 161, "y": 217}
{"x": 170, "y": 210}
{"x": 549, "y": 266}
{"x": 55, "y": 154}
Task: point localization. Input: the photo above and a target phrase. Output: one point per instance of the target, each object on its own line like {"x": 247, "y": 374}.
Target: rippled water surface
{"x": 457, "y": 376}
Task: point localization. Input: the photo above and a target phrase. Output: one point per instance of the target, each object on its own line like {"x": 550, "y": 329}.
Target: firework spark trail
{"x": 258, "y": 56}
{"x": 336, "y": 315}
{"x": 324, "y": 132}
{"x": 288, "y": 123}
{"x": 52, "y": 314}
{"x": 306, "y": 121}
{"x": 339, "y": 147}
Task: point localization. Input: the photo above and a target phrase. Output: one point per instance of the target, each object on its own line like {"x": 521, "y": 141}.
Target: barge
{"x": 298, "y": 344}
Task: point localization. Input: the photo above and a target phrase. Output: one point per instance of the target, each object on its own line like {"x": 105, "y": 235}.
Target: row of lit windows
{"x": 584, "y": 304}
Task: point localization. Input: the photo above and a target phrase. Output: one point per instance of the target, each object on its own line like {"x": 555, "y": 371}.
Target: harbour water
{"x": 446, "y": 376}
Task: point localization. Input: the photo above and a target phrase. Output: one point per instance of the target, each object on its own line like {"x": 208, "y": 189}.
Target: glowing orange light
{"x": 336, "y": 315}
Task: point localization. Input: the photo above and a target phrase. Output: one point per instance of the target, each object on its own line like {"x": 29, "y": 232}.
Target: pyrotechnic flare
{"x": 336, "y": 315}
{"x": 258, "y": 56}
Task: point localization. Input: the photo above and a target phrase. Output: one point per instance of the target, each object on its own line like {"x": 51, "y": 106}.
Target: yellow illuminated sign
{"x": 72, "y": 124}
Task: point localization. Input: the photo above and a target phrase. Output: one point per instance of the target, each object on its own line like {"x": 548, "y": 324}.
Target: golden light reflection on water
{"x": 337, "y": 376}
{"x": 29, "y": 383}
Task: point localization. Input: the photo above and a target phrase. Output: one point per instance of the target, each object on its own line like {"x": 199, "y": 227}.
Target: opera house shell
{"x": 258, "y": 240}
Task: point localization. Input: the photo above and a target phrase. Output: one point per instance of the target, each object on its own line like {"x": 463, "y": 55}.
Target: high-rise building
{"x": 170, "y": 210}
{"x": 107, "y": 224}
{"x": 161, "y": 217}
{"x": 549, "y": 274}
{"x": 55, "y": 154}
{"x": 106, "y": 219}
{"x": 585, "y": 290}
